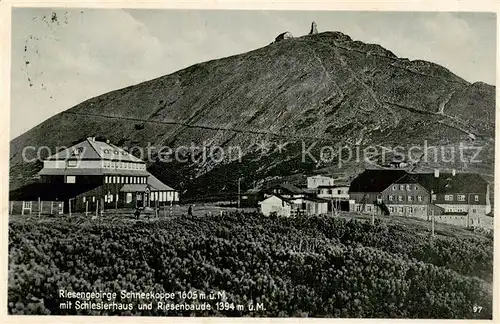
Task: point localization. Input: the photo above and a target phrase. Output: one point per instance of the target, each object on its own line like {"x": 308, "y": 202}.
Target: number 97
{"x": 477, "y": 309}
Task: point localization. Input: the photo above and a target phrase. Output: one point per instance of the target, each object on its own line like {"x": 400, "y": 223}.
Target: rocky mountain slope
{"x": 320, "y": 89}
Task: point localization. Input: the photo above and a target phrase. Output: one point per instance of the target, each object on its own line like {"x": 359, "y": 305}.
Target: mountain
{"x": 318, "y": 90}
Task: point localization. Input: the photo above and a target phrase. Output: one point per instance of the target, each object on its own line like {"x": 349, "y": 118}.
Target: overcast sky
{"x": 61, "y": 57}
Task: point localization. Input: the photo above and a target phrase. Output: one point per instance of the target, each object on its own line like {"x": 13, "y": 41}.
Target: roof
{"x": 279, "y": 197}
{"x": 49, "y": 191}
{"x": 448, "y": 183}
{"x": 316, "y": 199}
{"x": 90, "y": 149}
{"x": 319, "y": 176}
{"x": 375, "y": 180}
{"x": 92, "y": 171}
{"x": 288, "y": 187}
{"x": 379, "y": 180}
{"x": 156, "y": 184}
{"x": 133, "y": 187}
{"x": 333, "y": 186}
{"x": 407, "y": 178}
{"x": 252, "y": 191}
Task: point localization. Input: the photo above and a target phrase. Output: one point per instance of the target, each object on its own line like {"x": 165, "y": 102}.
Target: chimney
{"x": 107, "y": 141}
{"x": 453, "y": 172}
{"x": 436, "y": 173}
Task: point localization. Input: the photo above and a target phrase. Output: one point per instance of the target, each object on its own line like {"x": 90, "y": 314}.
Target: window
{"x": 128, "y": 198}
{"x": 394, "y": 187}
{"x": 391, "y": 209}
{"x": 410, "y": 210}
{"x": 70, "y": 179}
{"x": 401, "y": 187}
{"x": 400, "y": 210}
{"x": 93, "y": 198}
{"x": 116, "y": 197}
{"x": 391, "y": 198}
{"x": 448, "y": 197}
{"x": 358, "y": 207}
{"x": 419, "y": 198}
{"x": 26, "y": 204}
{"x": 78, "y": 151}
{"x": 72, "y": 163}
{"x": 400, "y": 198}
{"x": 410, "y": 198}
{"x": 368, "y": 208}
{"x": 106, "y": 151}
{"x": 408, "y": 187}
{"x": 416, "y": 187}
{"x": 461, "y": 197}
{"x": 122, "y": 180}
{"x": 434, "y": 197}
{"x": 84, "y": 199}
{"x": 106, "y": 179}
{"x": 476, "y": 197}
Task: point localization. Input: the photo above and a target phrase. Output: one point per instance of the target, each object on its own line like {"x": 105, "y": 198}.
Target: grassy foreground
{"x": 253, "y": 265}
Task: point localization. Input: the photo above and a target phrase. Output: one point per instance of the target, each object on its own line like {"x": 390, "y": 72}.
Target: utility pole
{"x": 239, "y": 192}
{"x": 432, "y": 215}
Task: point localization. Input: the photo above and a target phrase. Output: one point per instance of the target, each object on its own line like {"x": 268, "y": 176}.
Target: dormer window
{"x": 106, "y": 151}
{"x": 78, "y": 151}
{"x": 116, "y": 152}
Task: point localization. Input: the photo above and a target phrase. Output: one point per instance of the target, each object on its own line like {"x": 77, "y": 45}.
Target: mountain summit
{"x": 319, "y": 87}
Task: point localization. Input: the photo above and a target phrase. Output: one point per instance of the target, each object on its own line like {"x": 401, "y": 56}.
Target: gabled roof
{"x": 448, "y": 183}
{"x": 375, "y": 180}
{"x": 49, "y": 191}
{"x": 91, "y": 171}
{"x": 156, "y": 184}
{"x": 287, "y": 200}
{"x": 333, "y": 186}
{"x": 90, "y": 149}
{"x": 379, "y": 180}
{"x": 407, "y": 178}
{"x": 288, "y": 187}
{"x": 133, "y": 187}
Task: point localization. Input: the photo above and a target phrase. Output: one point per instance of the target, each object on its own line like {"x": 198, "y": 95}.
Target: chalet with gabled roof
{"x": 89, "y": 176}
{"x": 457, "y": 198}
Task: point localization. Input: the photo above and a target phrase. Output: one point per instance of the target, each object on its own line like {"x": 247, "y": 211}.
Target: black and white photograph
{"x": 169, "y": 162}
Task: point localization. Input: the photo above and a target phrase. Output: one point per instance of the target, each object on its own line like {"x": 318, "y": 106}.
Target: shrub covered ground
{"x": 316, "y": 266}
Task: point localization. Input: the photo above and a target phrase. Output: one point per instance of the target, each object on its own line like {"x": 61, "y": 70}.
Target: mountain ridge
{"x": 323, "y": 87}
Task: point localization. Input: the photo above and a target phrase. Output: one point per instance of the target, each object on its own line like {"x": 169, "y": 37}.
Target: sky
{"x": 61, "y": 57}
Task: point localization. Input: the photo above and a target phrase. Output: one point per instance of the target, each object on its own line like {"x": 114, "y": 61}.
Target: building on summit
{"x": 91, "y": 175}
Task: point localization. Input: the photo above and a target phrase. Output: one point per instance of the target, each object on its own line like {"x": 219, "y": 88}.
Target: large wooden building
{"x": 89, "y": 176}
{"x": 455, "y": 198}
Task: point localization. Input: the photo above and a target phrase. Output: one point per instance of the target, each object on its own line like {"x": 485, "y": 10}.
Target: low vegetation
{"x": 316, "y": 266}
